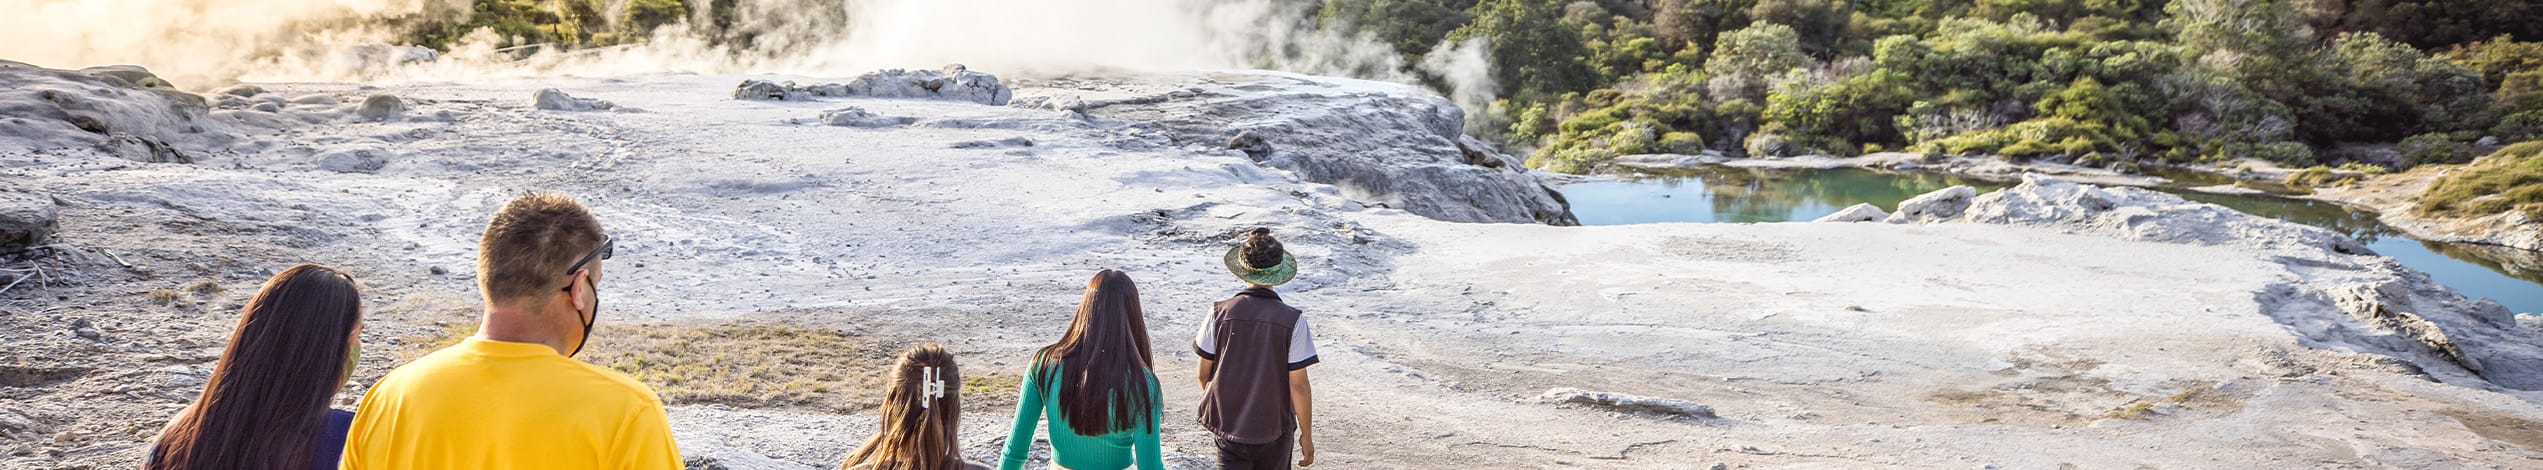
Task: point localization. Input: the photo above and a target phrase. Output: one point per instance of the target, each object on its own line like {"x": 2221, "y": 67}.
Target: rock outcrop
{"x": 858, "y": 117}
{"x": 1628, "y": 403}
{"x": 1252, "y": 144}
{"x": 954, "y": 82}
{"x": 132, "y": 75}
{"x": 1383, "y": 145}
{"x": 381, "y": 107}
{"x": 2339, "y": 295}
{"x": 1857, "y": 213}
{"x": 107, "y": 110}
{"x": 26, "y": 221}
{"x": 1938, "y": 205}
{"x": 552, "y": 99}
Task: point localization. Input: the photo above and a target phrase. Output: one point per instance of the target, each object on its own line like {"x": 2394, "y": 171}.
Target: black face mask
{"x": 607, "y": 246}
{"x": 588, "y": 321}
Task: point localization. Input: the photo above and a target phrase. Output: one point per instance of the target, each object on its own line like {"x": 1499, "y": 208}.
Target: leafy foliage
{"x": 2099, "y": 82}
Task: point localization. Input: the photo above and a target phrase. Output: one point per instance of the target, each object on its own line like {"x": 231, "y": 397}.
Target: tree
{"x": 1744, "y": 60}
{"x": 1694, "y": 23}
{"x": 1534, "y": 56}
{"x": 2432, "y": 24}
{"x": 1412, "y": 27}
{"x": 1818, "y": 23}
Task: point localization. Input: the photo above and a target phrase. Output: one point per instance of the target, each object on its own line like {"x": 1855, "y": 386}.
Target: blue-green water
{"x": 1740, "y": 195}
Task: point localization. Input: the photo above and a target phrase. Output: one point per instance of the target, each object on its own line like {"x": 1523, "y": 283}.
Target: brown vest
{"x": 1247, "y": 400}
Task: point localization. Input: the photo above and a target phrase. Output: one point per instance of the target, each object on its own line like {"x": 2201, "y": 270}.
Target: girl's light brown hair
{"x": 918, "y": 430}
{"x": 268, "y": 396}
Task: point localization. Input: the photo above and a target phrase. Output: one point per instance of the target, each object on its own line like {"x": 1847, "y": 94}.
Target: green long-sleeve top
{"x": 1068, "y": 449}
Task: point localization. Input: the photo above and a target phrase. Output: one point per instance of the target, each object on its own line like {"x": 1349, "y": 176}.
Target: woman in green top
{"x": 1096, "y": 385}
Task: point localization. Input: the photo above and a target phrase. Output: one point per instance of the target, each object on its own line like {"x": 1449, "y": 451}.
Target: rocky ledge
{"x": 1383, "y": 144}
{"x": 2339, "y": 295}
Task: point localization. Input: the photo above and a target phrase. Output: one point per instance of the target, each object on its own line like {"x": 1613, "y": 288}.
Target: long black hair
{"x": 268, "y": 395}
{"x": 1102, "y": 365}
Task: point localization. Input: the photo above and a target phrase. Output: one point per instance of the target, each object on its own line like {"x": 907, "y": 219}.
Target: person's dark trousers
{"x": 1268, "y": 456}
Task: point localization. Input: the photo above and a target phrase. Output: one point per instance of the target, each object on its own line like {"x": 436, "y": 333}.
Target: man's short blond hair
{"x": 529, "y": 243}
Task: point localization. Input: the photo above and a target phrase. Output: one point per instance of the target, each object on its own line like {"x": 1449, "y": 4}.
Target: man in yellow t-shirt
{"x": 512, "y": 397}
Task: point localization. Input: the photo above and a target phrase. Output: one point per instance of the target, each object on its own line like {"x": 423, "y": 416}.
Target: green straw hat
{"x": 1269, "y": 276}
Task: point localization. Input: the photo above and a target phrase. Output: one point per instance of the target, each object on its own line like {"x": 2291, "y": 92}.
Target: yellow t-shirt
{"x": 501, "y": 405}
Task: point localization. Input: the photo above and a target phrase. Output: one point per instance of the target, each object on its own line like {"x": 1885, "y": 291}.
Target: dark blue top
{"x": 329, "y": 443}
{"x": 324, "y": 448}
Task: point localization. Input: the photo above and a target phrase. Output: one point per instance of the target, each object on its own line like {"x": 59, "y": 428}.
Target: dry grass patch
{"x": 2511, "y": 179}
{"x": 746, "y": 365}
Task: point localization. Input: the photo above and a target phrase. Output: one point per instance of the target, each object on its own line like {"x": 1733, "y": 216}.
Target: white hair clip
{"x": 930, "y": 387}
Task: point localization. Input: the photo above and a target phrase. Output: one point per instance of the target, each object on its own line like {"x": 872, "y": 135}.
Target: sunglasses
{"x": 607, "y": 246}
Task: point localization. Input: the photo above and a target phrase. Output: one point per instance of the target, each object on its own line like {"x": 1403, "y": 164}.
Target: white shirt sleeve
{"x": 1206, "y": 343}
{"x": 1302, "y": 345}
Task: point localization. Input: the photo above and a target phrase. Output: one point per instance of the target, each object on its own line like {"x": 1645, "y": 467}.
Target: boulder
{"x": 765, "y": 91}
{"x": 954, "y": 82}
{"x": 242, "y": 91}
{"x": 552, "y": 99}
{"x": 1857, "y": 213}
{"x": 1379, "y": 144}
{"x": 1628, "y": 403}
{"x": 362, "y": 160}
{"x": 143, "y": 149}
{"x": 26, "y": 220}
{"x": 1252, "y": 144}
{"x": 316, "y": 99}
{"x": 130, "y": 74}
{"x": 1939, "y": 205}
{"x": 857, "y": 117}
{"x": 381, "y": 107}
{"x": 1483, "y": 154}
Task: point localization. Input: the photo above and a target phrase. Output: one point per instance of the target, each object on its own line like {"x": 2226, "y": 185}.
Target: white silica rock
{"x": 1627, "y": 403}
{"x": 1938, "y": 205}
{"x": 557, "y": 100}
{"x": 1857, "y": 213}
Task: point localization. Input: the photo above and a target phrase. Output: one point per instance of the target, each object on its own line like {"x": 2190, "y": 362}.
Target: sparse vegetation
{"x": 2510, "y": 179}
{"x": 2135, "y": 410}
{"x": 2315, "y": 177}
{"x": 748, "y": 365}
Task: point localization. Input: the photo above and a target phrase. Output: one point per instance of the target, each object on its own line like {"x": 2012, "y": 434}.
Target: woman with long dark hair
{"x": 1097, "y": 386}
{"x": 265, "y": 405}
{"x": 922, "y": 414}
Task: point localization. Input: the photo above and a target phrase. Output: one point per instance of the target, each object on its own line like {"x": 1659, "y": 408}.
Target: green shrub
{"x": 2434, "y": 148}
{"x": 1767, "y": 144}
{"x": 1681, "y": 142}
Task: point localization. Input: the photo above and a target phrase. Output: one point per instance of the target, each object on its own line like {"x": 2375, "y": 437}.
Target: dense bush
{"x": 2101, "y": 82}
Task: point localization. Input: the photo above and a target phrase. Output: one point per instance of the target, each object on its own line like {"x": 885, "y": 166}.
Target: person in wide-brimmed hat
{"x": 1254, "y": 356}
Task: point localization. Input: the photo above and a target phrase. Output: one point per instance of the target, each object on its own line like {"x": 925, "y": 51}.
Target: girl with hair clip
{"x": 265, "y": 405}
{"x": 922, "y": 414}
{"x": 1096, "y": 384}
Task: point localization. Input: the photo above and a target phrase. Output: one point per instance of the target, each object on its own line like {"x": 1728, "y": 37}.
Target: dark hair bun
{"x": 1261, "y": 250}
